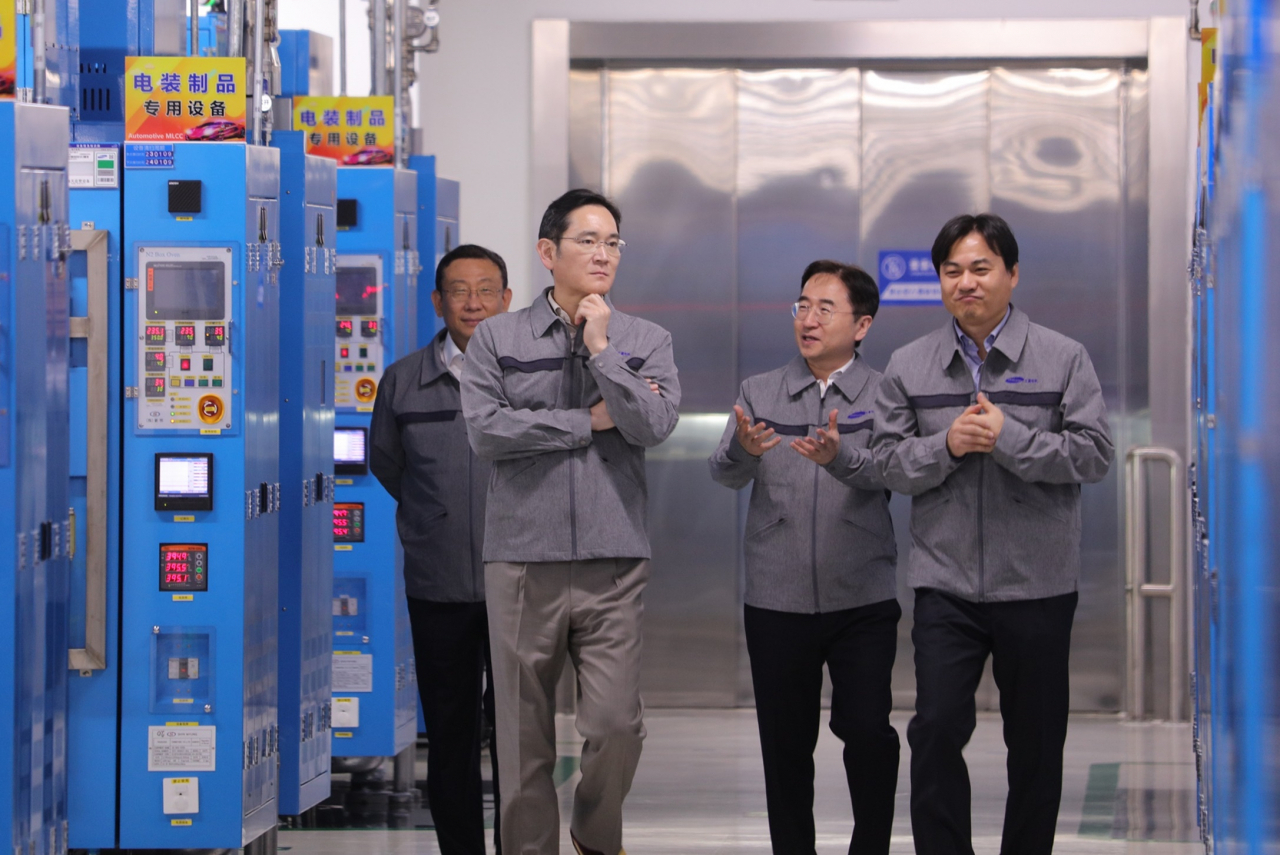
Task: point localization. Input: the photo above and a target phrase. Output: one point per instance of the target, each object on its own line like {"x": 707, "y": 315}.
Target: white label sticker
{"x": 181, "y": 749}
{"x": 352, "y": 672}
{"x": 92, "y": 167}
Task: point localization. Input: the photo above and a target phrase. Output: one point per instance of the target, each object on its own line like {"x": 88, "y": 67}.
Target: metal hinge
{"x": 131, "y": 391}
{"x": 26, "y": 94}
{"x": 22, "y": 243}
{"x": 23, "y": 7}
{"x": 131, "y": 284}
{"x": 1211, "y": 420}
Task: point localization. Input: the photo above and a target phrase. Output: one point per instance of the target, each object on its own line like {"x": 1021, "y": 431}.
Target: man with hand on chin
{"x": 990, "y": 424}
{"x": 564, "y": 397}
{"x": 821, "y": 560}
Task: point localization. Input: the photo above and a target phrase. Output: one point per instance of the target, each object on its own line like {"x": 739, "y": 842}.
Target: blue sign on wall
{"x": 907, "y": 277}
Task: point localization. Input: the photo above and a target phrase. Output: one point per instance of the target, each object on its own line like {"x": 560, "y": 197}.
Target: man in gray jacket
{"x": 820, "y": 563}
{"x": 418, "y": 450}
{"x": 990, "y": 424}
{"x": 564, "y": 397}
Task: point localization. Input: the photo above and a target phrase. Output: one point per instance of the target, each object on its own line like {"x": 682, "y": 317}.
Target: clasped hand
{"x": 976, "y": 429}
{"x": 759, "y": 438}
{"x": 600, "y": 418}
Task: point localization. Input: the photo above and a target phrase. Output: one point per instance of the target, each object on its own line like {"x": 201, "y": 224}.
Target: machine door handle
{"x": 1138, "y": 590}
{"x": 93, "y": 656}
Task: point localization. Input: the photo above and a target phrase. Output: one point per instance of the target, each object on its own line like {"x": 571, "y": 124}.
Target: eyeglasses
{"x": 461, "y": 295}
{"x": 821, "y": 314}
{"x": 612, "y": 246}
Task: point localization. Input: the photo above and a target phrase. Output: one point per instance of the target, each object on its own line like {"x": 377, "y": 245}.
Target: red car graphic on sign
{"x": 217, "y": 129}
{"x": 367, "y": 157}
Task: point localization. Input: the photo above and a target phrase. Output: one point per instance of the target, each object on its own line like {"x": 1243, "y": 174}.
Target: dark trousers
{"x": 451, "y": 645}
{"x": 787, "y": 653}
{"x": 1029, "y": 642}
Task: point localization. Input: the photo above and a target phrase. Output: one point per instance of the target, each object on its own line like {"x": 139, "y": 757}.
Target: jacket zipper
{"x": 575, "y": 402}
{"x": 471, "y": 525}
{"x": 813, "y": 518}
{"x": 982, "y": 540}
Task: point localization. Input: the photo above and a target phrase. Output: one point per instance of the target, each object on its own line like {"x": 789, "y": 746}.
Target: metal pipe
{"x": 255, "y": 102}
{"x": 193, "y": 27}
{"x": 38, "y": 62}
{"x": 342, "y": 47}
{"x": 235, "y": 27}
{"x": 397, "y": 41}
{"x": 379, "y": 45}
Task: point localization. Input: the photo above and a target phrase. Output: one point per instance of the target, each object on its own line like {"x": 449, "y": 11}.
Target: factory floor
{"x": 1128, "y": 788}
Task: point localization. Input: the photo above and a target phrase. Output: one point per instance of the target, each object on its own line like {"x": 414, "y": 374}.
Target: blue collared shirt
{"x": 969, "y": 348}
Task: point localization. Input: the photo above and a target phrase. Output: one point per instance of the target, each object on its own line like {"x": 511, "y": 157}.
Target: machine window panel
{"x": 357, "y": 291}
{"x": 186, "y": 291}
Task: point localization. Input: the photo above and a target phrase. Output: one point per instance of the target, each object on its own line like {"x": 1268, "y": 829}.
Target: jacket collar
{"x": 432, "y": 366}
{"x": 541, "y": 318}
{"x": 1010, "y": 341}
{"x": 798, "y": 377}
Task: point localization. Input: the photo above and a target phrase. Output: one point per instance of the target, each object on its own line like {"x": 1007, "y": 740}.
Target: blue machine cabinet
{"x": 198, "y": 609}
{"x": 438, "y": 212}
{"x": 35, "y": 526}
{"x": 309, "y": 235}
{"x": 374, "y": 684}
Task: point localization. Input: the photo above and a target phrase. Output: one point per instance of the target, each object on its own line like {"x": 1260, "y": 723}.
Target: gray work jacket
{"x": 815, "y": 541}
{"x": 1004, "y": 525}
{"x": 560, "y": 492}
{"x": 418, "y": 450}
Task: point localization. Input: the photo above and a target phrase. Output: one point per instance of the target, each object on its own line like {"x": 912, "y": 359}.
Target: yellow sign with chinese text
{"x": 355, "y": 131}
{"x": 8, "y": 48}
{"x": 184, "y": 99}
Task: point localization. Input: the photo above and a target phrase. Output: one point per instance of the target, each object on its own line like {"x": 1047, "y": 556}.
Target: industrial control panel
{"x": 358, "y": 342}
{"x": 184, "y": 315}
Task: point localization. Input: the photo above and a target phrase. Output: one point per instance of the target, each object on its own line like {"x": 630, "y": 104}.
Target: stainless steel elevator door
{"x": 730, "y": 181}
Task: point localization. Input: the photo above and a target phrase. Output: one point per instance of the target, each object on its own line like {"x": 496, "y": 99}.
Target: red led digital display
{"x": 344, "y": 328}
{"x": 185, "y": 335}
{"x": 155, "y": 334}
{"x": 155, "y": 387}
{"x": 368, "y": 329}
{"x": 215, "y": 336}
{"x": 184, "y": 567}
{"x": 348, "y": 522}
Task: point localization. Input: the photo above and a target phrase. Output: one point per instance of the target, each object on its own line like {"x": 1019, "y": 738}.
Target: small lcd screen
{"x": 184, "y": 482}
{"x": 184, "y": 567}
{"x": 186, "y": 291}
{"x": 348, "y": 522}
{"x": 350, "y": 451}
{"x": 357, "y": 291}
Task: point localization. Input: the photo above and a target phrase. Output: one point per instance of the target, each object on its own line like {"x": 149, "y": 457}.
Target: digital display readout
{"x": 215, "y": 335}
{"x": 348, "y": 522}
{"x": 344, "y": 329}
{"x": 155, "y": 360}
{"x": 155, "y": 334}
{"x": 155, "y": 387}
{"x": 184, "y": 335}
{"x": 184, "y": 567}
{"x": 368, "y": 329}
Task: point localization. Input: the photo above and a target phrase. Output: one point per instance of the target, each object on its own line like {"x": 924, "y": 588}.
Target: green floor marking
{"x": 565, "y": 767}
{"x": 1098, "y": 816}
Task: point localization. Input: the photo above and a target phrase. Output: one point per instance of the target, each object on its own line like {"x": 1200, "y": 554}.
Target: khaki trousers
{"x": 539, "y": 613}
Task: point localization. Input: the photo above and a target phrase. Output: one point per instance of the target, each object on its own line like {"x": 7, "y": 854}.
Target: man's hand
{"x": 600, "y": 418}
{"x": 970, "y": 432}
{"x": 992, "y": 417}
{"x": 823, "y": 449}
{"x": 594, "y": 311}
{"x": 653, "y": 386}
{"x": 757, "y": 438}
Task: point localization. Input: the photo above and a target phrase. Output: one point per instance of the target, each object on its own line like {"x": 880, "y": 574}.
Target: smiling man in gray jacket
{"x": 820, "y": 562}
{"x": 564, "y": 397}
{"x": 990, "y": 424}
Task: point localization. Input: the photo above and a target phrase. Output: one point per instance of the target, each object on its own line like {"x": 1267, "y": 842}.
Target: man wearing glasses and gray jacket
{"x": 564, "y": 397}
{"x": 820, "y": 557}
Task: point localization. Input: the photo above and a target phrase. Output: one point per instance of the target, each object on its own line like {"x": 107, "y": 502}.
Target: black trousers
{"x": 451, "y": 645}
{"x": 1029, "y": 643}
{"x": 787, "y": 653}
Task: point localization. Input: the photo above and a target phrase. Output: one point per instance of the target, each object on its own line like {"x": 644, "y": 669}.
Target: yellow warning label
{"x": 343, "y": 482}
{"x": 342, "y": 547}
{"x": 344, "y": 632}
{"x": 184, "y": 219}
{"x": 182, "y": 724}
{"x": 210, "y": 431}
{"x": 364, "y": 409}
{"x": 343, "y": 734}
{"x": 179, "y": 822}
{"x": 183, "y": 518}
{"x": 347, "y": 653}
{"x": 179, "y": 780}
{"x": 183, "y": 598}
{"x": 184, "y": 700}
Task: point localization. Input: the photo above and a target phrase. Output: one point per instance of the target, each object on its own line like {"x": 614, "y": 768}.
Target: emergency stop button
{"x": 210, "y": 409}
{"x": 366, "y": 389}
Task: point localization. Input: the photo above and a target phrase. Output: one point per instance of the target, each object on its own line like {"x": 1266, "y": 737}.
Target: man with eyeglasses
{"x": 419, "y": 451}
{"x": 821, "y": 558}
{"x": 564, "y": 397}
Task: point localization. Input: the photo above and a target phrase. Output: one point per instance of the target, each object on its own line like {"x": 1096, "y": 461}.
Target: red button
{"x": 346, "y": 351}
{"x": 185, "y": 363}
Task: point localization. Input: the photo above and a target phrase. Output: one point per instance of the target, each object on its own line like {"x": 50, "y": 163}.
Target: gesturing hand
{"x": 757, "y": 438}
{"x": 992, "y": 417}
{"x": 823, "y": 449}
{"x": 971, "y": 432}
{"x": 594, "y": 312}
